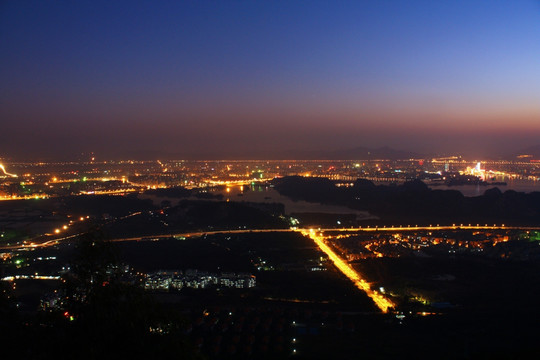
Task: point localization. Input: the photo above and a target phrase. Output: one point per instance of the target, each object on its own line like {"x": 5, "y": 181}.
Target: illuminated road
{"x": 382, "y": 303}
{"x": 34, "y": 245}
{"x": 366, "y": 229}
{"x": 141, "y": 238}
{"x": 241, "y": 231}
{"x": 199, "y": 234}
{"x": 110, "y": 192}
{"x": 6, "y": 173}
{"x": 433, "y": 227}
{"x": 26, "y": 197}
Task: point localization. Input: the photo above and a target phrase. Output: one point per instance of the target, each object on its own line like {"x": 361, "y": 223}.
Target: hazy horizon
{"x": 331, "y": 154}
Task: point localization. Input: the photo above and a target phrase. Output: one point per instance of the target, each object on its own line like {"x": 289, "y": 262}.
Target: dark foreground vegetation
{"x": 101, "y": 316}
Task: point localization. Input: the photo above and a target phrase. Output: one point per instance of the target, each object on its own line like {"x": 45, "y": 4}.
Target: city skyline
{"x": 262, "y": 80}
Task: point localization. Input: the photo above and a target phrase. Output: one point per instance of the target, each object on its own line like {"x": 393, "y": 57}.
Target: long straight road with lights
{"x": 303, "y": 231}
{"x": 382, "y": 303}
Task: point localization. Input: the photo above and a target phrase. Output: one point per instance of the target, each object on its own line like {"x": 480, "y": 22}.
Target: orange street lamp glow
{"x": 382, "y": 303}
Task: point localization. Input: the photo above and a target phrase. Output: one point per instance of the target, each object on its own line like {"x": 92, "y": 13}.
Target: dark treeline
{"x": 200, "y": 215}
{"x": 226, "y": 215}
{"x": 414, "y": 202}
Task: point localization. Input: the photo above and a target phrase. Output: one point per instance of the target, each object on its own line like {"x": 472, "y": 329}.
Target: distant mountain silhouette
{"x": 364, "y": 153}
{"x": 532, "y": 150}
{"x": 358, "y": 153}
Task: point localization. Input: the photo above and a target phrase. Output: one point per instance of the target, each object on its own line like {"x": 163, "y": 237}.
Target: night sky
{"x": 216, "y": 79}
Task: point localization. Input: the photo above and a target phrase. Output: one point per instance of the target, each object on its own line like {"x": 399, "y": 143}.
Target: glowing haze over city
{"x": 268, "y": 79}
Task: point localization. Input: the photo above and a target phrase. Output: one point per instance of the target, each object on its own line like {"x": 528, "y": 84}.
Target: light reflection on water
{"x": 261, "y": 193}
{"x": 519, "y": 185}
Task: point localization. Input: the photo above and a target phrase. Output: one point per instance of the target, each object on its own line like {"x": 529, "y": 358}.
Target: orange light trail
{"x": 5, "y": 172}
{"x": 382, "y": 303}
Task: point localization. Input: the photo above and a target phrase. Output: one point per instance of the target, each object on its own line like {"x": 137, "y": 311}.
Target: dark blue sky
{"x": 259, "y": 78}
